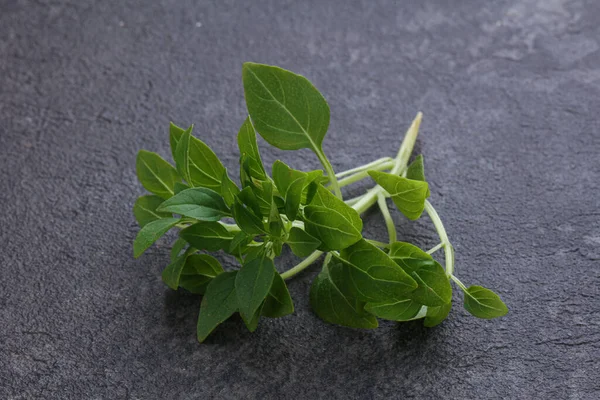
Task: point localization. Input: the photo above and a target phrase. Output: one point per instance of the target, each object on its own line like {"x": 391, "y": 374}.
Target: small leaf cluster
{"x": 254, "y": 219}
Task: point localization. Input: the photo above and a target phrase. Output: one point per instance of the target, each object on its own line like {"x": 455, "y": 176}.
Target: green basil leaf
{"x": 180, "y": 187}
{"x": 434, "y": 287}
{"x": 416, "y": 171}
{"x": 248, "y": 197}
{"x": 150, "y": 233}
{"x": 333, "y": 230}
{"x": 238, "y": 244}
{"x": 177, "y": 248}
{"x": 396, "y": 310}
{"x": 198, "y": 271}
{"x": 275, "y": 222}
{"x": 408, "y": 256}
{"x": 286, "y": 109}
{"x": 175, "y": 134}
{"x": 172, "y": 272}
{"x": 408, "y": 195}
{"x": 332, "y": 221}
{"x": 155, "y": 174}
{"x": 252, "y": 324}
{"x": 301, "y": 242}
{"x": 228, "y": 189}
{"x": 199, "y": 203}
{"x": 253, "y": 283}
{"x": 249, "y": 147}
{"x": 263, "y": 190}
{"x": 290, "y": 184}
{"x": 313, "y": 178}
{"x": 371, "y": 275}
{"x": 278, "y": 302}
{"x": 483, "y": 303}
{"x": 218, "y": 304}
{"x": 247, "y": 220}
{"x": 205, "y": 235}
{"x": 435, "y": 315}
{"x": 145, "y": 207}
{"x": 334, "y": 305}
{"x": 197, "y": 163}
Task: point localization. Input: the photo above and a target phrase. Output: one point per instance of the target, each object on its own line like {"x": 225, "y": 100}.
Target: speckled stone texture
{"x": 510, "y": 91}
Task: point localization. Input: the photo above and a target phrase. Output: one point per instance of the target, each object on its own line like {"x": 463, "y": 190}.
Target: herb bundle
{"x": 361, "y": 279}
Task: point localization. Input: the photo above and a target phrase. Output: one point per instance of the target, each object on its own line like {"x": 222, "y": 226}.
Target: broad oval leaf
{"x": 435, "y": 315}
{"x": 371, "y": 275}
{"x": 483, "y": 303}
{"x": 205, "y": 235}
{"x": 333, "y": 230}
{"x": 408, "y": 195}
{"x": 409, "y": 256}
{"x": 301, "y": 242}
{"x": 155, "y": 174}
{"x": 252, "y": 323}
{"x": 197, "y": 163}
{"x": 286, "y": 109}
{"x": 198, "y": 271}
{"x": 278, "y": 302}
{"x": 247, "y": 220}
{"x": 199, "y": 203}
{"x": 397, "y": 310}
{"x": 145, "y": 207}
{"x": 150, "y": 233}
{"x": 218, "y": 304}
{"x": 253, "y": 283}
{"x": 334, "y": 305}
{"x": 249, "y": 147}
{"x": 434, "y": 286}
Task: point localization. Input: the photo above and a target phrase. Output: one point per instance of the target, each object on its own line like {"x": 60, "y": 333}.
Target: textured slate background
{"x": 510, "y": 91}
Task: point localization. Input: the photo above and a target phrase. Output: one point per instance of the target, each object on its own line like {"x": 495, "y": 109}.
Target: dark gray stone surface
{"x": 511, "y": 94}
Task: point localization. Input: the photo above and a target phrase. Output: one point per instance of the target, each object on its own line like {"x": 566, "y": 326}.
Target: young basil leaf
{"x": 278, "y": 302}
{"x": 204, "y": 235}
{"x": 175, "y": 134}
{"x": 253, "y": 252}
{"x": 286, "y": 109}
{"x": 238, "y": 243}
{"x": 313, "y": 178}
{"x": 145, "y": 207}
{"x": 263, "y": 190}
{"x": 275, "y": 222}
{"x": 218, "y": 304}
{"x": 253, "y": 283}
{"x": 483, "y": 303}
{"x": 248, "y": 197}
{"x": 434, "y": 287}
{"x": 150, "y": 233}
{"x": 301, "y": 242}
{"x": 371, "y": 275}
{"x": 172, "y": 272}
{"x": 334, "y": 305}
{"x": 396, "y": 310}
{"x": 228, "y": 189}
{"x": 252, "y": 324}
{"x": 247, "y": 220}
{"x": 416, "y": 171}
{"x": 177, "y": 248}
{"x": 199, "y": 203}
{"x": 198, "y": 271}
{"x": 435, "y": 315}
{"x": 332, "y": 221}
{"x": 290, "y": 184}
{"x": 155, "y": 174}
{"x": 408, "y": 256}
{"x": 249, "y": 147}
{"x": 197, "y": 163}
{"x": 408, "y": 195}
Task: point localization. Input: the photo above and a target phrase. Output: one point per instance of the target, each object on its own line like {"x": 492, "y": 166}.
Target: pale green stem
{"x": 407, "y": 145}
{"x": 302, "y": 265}
{"x": 439, "y": 227}
{"x": 363, "y": 174}
{"x": 436, "y": 248}
{"x": 389, "y": 222}
{"x": 459, "y": 283}
{"x": 371, "y": 165}
{"x": 330, "y": 174}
